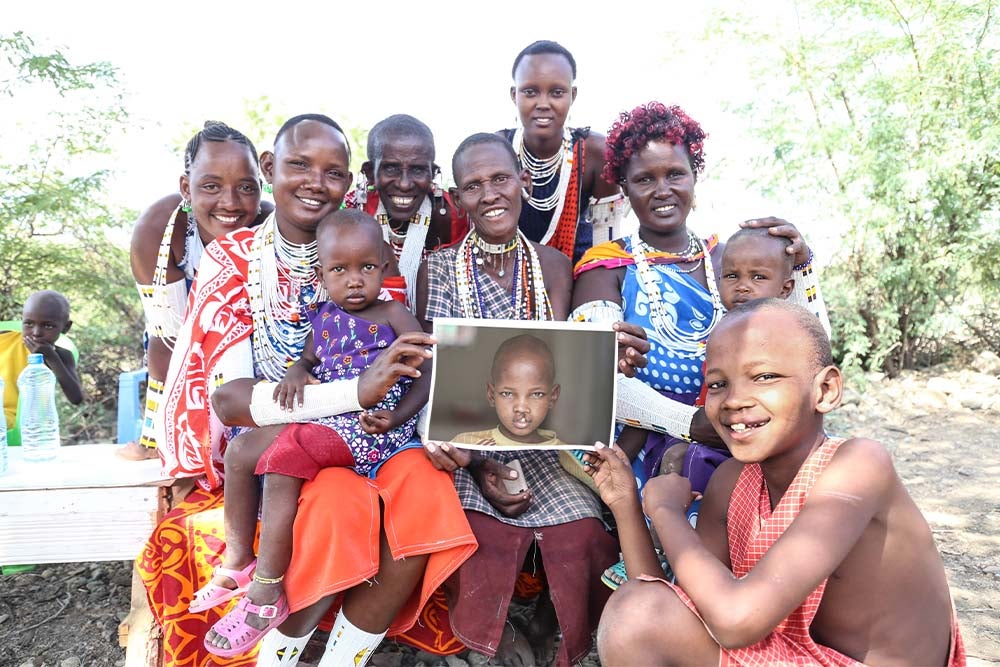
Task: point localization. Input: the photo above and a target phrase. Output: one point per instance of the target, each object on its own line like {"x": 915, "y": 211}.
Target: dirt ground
{"x": 942, "y": 426}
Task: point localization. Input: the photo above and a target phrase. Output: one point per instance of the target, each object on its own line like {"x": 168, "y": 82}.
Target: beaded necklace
{"x": 529, "y": 299}
{"x": 159, "y": 297}
{"x": 281, "y": 285}
{"x": 542, "y": 172}
{"x": 684, "y": 345}
{"x": 411, "y": 250}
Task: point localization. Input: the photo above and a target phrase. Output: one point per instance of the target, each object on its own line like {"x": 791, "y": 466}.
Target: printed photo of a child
{"x": 521, "y": 385}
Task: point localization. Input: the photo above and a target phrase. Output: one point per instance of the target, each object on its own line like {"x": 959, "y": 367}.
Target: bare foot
{"x": 514, "y": 649}
{"x": 541, "y": 631}
{"x": 258, "y": 594}
{"x": 133, "y": 451}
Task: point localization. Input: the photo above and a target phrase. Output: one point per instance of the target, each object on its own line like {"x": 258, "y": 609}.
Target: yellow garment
{"x": 13, "y": 359}
{"x": 474, "y": 437}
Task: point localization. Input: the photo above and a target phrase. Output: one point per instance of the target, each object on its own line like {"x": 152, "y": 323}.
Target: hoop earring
{"x": 525, "y": 195}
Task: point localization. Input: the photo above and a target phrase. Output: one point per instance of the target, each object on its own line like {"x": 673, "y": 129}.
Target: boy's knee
{"x": 628, "y": 618}
{"x": 638, "y": 623}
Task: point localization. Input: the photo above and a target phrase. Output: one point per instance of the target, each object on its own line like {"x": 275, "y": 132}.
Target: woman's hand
{"x": 401, "y": 359}
{"x": 490, "y": 475}
{"x": 612, "y": 473}
{"x": 632, "y": 347}
{"x": 779, "y": 227}
{"x": 447, "y": 457}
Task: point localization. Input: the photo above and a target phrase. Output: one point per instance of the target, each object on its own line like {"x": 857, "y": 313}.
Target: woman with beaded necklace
{"x": 570, "y": 207}
{"x": 497, "y": 273}
{"x": 398, "y": 186}
{"x": 247, "y": 323}
{"x": 219, "y": 192}
{"x": 663, "y": 278}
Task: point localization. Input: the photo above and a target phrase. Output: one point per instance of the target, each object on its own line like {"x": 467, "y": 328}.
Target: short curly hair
{"x": 650, "y": 122}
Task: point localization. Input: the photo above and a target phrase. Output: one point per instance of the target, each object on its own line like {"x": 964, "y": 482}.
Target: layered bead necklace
{"x": 408, "y": 246}
{"x": 282, "y": 284}
{"x": 529, "y": 299}
{"x": 683, "y": 344}
{"x": 544, "y": 170}
{"x": 158, "y": 293}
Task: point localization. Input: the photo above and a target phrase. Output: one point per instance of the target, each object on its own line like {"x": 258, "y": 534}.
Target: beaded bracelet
{"x": 806, "y": 264}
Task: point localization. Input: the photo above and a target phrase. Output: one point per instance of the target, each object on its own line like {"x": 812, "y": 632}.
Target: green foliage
{"x": 54, "y": 224}
{"x": 886, "y": 115}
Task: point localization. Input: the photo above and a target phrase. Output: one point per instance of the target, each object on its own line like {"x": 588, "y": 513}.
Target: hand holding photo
{"x": 522, "y": 385}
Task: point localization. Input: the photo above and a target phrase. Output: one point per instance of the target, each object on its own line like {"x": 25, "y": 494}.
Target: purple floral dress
{"x": 345, "y": 346}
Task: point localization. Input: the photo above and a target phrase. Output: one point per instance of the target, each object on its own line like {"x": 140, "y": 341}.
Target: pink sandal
{"x": 243, "y": 637}
{"x": 212, "y": 595}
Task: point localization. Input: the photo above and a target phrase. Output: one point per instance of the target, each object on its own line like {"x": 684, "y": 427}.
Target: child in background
{"x": 808, "y": 549}
{"x": 44, "y": 318}
{"x": 522, "y": 388}
{"x": 348, "y": 333}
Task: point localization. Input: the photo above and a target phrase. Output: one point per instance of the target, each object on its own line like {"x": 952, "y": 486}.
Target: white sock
{"x": 349, "y": 644}
{"x": 278, "y": 650}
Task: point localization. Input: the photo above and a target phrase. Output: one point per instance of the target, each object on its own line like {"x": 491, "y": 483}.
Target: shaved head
{"x": 51, "y": 301}
{"x": 522, "y": 348}
{"x": 821, "y": 353}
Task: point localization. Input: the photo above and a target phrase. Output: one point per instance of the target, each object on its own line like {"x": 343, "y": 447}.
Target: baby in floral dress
{"x": 348, "y": 333}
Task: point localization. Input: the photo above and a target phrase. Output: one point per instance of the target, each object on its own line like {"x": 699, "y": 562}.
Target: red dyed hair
{"x": 651, "y": 122}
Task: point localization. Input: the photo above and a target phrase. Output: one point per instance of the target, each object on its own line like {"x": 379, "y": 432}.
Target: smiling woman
{"x": 219, "y": 192}
{"x": 569, "y": 206}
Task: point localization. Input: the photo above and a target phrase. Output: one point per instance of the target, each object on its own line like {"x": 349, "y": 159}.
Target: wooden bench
{"x": 87, "y": 505}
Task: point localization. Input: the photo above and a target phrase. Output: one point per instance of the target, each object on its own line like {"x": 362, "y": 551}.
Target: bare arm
{"x": 421, "y": 298}
{"x": 598, "y": 285}
{"x": 597, "y": 187}
{"x": 415, "y": 399}
{"x": 64, "y": 367}
{"x": 557, "y": 273}
{"x": 739, "y": 612}
{"x": 146, "y": 237}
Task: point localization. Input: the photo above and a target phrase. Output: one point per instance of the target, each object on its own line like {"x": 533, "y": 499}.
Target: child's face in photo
{"x": 43, "y": 320}
{"x": 522, "y": 393}
{"x": 351, "y": 265}
{"x": 754, "y": 268}
{"x": 761, "y": 375}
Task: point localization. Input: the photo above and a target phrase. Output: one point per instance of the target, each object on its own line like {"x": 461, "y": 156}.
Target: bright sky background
{"x": 184, "y": 62}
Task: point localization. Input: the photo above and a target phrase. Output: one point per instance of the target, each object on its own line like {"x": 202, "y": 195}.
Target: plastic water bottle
{"x": 3, "y": 434}
{"x": 39, "y": 420}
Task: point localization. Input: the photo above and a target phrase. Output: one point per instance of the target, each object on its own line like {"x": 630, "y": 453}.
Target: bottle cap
{"x": 36, "y": 359}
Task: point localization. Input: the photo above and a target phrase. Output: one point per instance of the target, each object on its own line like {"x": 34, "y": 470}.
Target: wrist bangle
{"x": 804, "y": 265}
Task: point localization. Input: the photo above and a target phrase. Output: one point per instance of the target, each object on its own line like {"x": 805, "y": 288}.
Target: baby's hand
{"x": 376, "y": 422}
{"x": 612, "y": 473}
{"x": 292, "y": 387}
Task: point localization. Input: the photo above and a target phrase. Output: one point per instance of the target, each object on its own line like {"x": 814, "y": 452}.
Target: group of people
{"x": 288, "y": 352}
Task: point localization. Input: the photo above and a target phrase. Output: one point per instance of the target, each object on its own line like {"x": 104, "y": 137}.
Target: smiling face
{"x": 523, "y": 391}
{"x": 755, "y": 267}
{"x": 44, "y": 317}
{"x": 223, "y": 187}
{"x": 488, "y": 187}
{"x": 767, "y": 391}
{"x": 310, "y": 173}
{"x": 351, "y": 263}
{"x": 660, "y": 186}
{"x": 403, "y": 175}
{"x": 543, "y": 92}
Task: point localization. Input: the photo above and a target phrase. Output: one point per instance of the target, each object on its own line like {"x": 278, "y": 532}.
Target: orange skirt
{"x": 336, "y": 547}
{"x": 337, "y": 531}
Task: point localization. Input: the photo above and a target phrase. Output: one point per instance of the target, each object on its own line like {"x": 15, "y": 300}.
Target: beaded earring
{"x": 437, "y": 192}
{"x": 267, "y": 188}
{"x": 185, "y": 205}
{"x": 361, "y": 188}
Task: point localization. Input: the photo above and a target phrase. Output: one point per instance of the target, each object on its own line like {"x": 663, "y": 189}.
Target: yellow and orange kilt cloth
{"x": 336, "y": 548}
